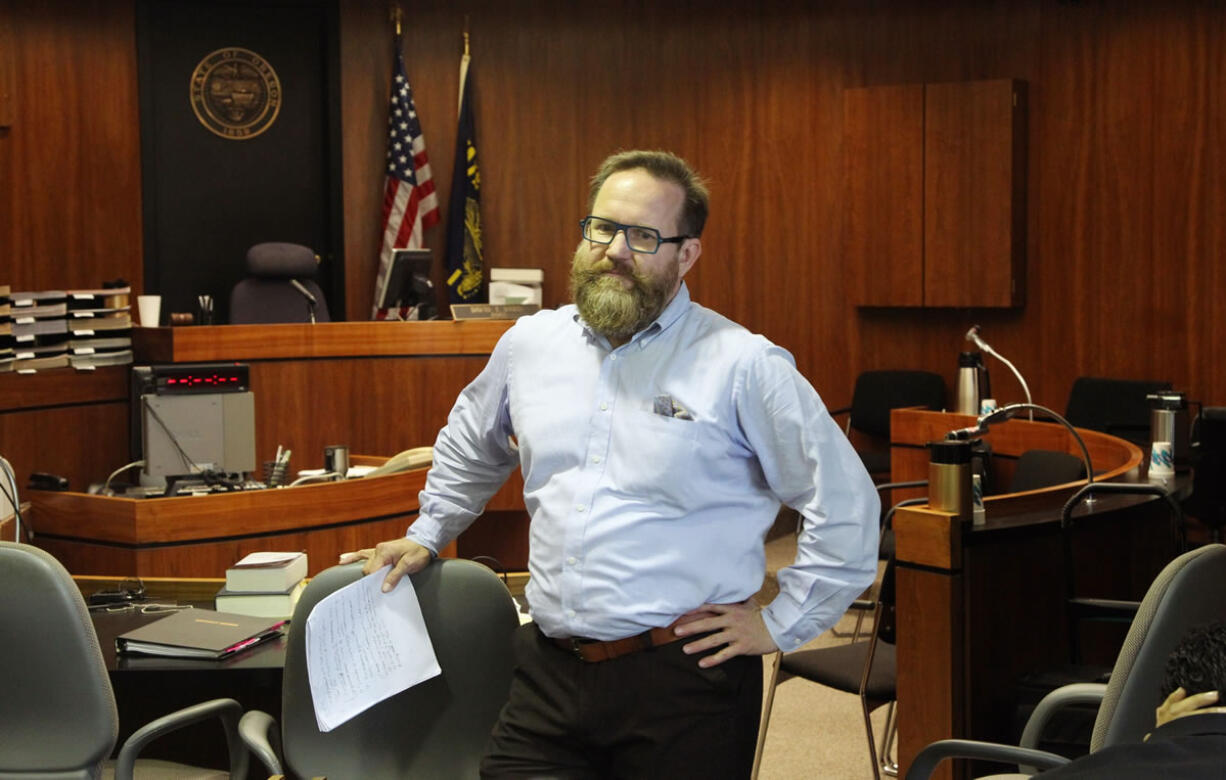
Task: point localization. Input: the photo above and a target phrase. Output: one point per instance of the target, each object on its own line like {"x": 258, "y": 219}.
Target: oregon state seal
{"x": 235, "y": 93}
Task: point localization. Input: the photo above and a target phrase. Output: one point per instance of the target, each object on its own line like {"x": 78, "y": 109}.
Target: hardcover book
{"x": 199, "y": 633}
{"x": 266, "y": 572}
{"x": 261, "y": 604}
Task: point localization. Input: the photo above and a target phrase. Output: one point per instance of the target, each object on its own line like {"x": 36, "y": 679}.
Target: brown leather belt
{"x": 594, "y": 651}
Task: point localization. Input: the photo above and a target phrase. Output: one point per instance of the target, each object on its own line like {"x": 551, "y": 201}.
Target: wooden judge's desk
{"x": 377, "y": 387}
{"x": 979, "y": 607}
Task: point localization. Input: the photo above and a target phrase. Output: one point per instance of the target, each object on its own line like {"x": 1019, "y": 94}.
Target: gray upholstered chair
{"x": 57, "y": 710}
{"x": 268, "y": 294}
{"x": 1189, "y": 592}
{"x": 438, "y": 728}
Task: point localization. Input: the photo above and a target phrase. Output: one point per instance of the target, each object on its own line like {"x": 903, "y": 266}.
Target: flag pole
{"x": 396, "y": 17}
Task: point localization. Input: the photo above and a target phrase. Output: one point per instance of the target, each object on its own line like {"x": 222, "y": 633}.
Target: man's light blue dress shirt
{"x": 652, "y": 473}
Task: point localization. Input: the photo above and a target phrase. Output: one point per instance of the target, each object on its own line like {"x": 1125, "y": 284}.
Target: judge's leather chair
{"x": 267, "y": 296}
{"x": 437, "y": 728}
{"x": 57, "y": 710}
{"x": 1188, "y": 592}
{"x": 875, "y": 394}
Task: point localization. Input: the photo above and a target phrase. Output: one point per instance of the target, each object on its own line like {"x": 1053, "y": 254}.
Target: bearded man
{"x": 657, "y": 440}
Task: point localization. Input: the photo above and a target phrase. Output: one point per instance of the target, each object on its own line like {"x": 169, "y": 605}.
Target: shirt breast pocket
{"x": 654, "y": 455}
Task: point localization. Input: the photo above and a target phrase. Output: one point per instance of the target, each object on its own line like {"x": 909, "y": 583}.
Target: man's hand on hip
{"x": 738, "y": 630}
{"x": 404, "y": 555}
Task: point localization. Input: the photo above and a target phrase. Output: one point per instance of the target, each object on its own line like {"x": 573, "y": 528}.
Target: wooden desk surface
{"x": 322, "y": 340}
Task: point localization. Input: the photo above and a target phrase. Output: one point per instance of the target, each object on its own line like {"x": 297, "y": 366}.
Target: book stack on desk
{"x": 100, "y": 328}
{"x": 6, "y": 330}
{"x": 265, "y": 584}
{"x": 40, "y": 330}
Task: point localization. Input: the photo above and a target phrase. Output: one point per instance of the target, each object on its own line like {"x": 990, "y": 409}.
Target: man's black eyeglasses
{"x": 643, "y": 240}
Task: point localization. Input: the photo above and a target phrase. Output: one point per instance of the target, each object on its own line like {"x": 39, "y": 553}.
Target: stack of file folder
{"x": 6, "y": 330}
{"x": 99, "y": 328}
{"x": 40, "y": 330}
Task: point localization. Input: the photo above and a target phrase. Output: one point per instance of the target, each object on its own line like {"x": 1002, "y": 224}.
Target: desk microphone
{"x": 300, "y": 287}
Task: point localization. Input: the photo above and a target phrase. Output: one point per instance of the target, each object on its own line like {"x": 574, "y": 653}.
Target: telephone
{"x": 409, "y": 459}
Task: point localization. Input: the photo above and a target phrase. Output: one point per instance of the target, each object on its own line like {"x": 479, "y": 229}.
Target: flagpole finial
{"x": 396, "y": 15}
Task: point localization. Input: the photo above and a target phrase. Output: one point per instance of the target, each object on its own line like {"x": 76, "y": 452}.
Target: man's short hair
{"x": 667, "y": 167}
{"x": 1198, "y": 662}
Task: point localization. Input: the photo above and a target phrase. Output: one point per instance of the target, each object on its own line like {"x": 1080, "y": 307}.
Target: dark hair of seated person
{"x": 1198, "y": 662}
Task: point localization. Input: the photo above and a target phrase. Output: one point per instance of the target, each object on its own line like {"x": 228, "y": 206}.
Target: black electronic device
{"x": 185, "y": 378}
{"x": 409, "y": 286}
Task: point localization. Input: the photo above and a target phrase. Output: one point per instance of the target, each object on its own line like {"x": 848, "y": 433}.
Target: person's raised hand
{"x": 404, "y": 555}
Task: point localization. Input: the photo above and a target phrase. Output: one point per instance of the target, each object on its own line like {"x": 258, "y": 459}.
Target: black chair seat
{"x": 841, "y": 666}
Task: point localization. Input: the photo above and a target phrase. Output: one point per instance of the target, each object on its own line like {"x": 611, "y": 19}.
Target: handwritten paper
{"x": 364, "y": 646}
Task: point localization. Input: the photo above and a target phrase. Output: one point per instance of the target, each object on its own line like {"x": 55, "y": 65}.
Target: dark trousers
{"x": 654, "y": 713}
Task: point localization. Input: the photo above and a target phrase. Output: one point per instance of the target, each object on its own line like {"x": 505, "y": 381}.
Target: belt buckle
{"x": 576, "y": 647}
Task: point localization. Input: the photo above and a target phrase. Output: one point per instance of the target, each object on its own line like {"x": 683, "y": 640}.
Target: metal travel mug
{"x": 336, "y": 459}
{"x": 949, "y": 478}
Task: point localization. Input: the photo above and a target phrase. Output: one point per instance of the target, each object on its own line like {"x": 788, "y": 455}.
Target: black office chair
{"x": 1188, "y": 592}
{"x": 1114, "y": 406}
{"x": 875, "y": 394}
{"x": 867, "y": 668}
{"x": 268, "y": 294}
{"x": 437, "y": 728}
{"x": 57, "y": 710}
{"x": 1038, "y": 469}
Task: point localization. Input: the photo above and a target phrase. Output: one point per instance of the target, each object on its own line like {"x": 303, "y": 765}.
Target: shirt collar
{"x": 675, "y": 309}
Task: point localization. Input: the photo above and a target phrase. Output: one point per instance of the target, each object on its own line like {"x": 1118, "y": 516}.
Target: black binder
{"x": 199, "y": 633}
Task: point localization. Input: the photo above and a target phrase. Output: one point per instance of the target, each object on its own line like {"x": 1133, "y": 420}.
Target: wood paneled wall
{"x": 70, "y": 207}
{"x": 1126, "y": 176}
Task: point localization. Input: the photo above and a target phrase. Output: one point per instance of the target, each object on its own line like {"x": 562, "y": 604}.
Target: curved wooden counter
{"x": 980, "y": 606}
{"x": 200, "y": 536}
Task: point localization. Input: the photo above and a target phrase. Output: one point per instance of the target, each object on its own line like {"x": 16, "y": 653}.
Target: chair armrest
{"x": 840, "y": 410}
{"x": 927, "y": 759}
{"x": 1054, "y": 701}
{"x": 261, "y": 735}
{"x": 228, "y": 710}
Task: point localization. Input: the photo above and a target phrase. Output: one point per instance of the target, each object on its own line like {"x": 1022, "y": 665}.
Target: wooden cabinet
{"x": 935, "y": 188}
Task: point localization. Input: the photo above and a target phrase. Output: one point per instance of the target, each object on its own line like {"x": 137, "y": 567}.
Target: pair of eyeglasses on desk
{"x": 144, "y": 609}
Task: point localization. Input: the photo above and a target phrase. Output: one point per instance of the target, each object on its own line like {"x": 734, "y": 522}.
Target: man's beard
{"x": 608, "y": 307}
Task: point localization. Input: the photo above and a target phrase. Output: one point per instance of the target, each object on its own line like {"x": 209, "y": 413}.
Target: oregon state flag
{"x": 464, "y": 257}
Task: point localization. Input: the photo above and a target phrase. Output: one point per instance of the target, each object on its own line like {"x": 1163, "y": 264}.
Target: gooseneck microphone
{"x": 972, "y": 335}
{"x": 301, "y": 288}
{"x": 1007, "y": 412}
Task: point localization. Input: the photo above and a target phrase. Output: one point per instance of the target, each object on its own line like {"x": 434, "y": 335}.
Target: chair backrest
{"x": 1044, "y": 468}
{"x": 1189, "y": 591}
{"x": 877, "y": 392}
{"x": 438, "y": 728}
{"x": 1114, "y": 406}
{"x": 57, "y": 711}
{"x": 266, "y": 295}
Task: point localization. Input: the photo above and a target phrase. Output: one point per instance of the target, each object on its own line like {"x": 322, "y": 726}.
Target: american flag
{"x": 409, "y": 203}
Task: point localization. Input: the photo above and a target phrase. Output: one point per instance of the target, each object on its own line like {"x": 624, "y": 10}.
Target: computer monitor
{"x": 409, "y": 293}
